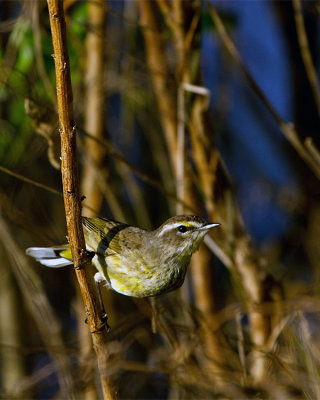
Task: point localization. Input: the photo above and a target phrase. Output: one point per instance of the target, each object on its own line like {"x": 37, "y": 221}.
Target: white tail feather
{"x": 41, "y": 252}
{"x": 55, "y": 262}
{"x": 49, "y": 256}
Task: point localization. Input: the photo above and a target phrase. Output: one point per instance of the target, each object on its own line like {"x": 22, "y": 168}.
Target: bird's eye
{"x": 182, "y": 229}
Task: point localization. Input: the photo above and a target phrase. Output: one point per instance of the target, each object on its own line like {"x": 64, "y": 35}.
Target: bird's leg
{"x": 154, "y": 314}
{"x": 87, "y": 253}
{"x": 98, "y": 278}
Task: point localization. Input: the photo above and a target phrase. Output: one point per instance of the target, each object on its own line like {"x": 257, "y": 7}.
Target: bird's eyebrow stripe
{"x": 176, "y": 224}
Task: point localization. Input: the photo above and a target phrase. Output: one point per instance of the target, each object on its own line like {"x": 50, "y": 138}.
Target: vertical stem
{"x": 306, "y": 53}
{"x": 180, "y": 150}
{"x": 160, "y": 75}
{"x": 12, "y": 368}
{"x": 94, "y": 108}
{"x": 71, "y": 191}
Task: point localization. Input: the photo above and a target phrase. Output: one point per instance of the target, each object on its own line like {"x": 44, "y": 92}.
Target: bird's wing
{"x": 104, "y": 236}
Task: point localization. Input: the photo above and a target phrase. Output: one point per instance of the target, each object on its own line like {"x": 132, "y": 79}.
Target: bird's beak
{"x": 207, "y": 227}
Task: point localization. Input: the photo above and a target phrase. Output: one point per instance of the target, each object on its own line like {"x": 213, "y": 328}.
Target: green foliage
{"x": 26, "y": 53}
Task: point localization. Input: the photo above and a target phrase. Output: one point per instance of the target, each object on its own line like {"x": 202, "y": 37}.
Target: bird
{"x": 133, "y": 261}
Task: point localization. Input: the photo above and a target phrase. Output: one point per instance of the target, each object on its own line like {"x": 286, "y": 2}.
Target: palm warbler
{"x": 133, "y": 261}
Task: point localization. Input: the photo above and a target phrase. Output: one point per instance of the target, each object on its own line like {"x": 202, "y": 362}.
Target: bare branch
{"x": 30, "y": 181}
{"x": 71, "y": 192}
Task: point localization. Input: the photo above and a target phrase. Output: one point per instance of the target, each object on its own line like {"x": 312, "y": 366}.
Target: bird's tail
{"x": 54, "y": 257}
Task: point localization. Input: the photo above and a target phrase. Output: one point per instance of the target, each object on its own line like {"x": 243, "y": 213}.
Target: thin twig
{"x": 180, "y": 161}
{"x": 38, "y": 49}
{"x": 30, "y": 181}
{"x": 305, "y": 52}
{"x": 180, "y": 149}
{"x": 312, "y": 149}
{"x": 240, "y": 344}
{"x": 71, "y": 193}
{"x": 218, "y": 252}
{"x": 287, "y": 128}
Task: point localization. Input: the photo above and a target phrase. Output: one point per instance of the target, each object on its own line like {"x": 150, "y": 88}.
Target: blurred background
{"x": 194, "y": 107}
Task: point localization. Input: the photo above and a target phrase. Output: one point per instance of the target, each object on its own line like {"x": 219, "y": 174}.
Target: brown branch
{"x": 156, "y": 60}
{"x": 71, "y": 192}
{"x": 94, "y": 103}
